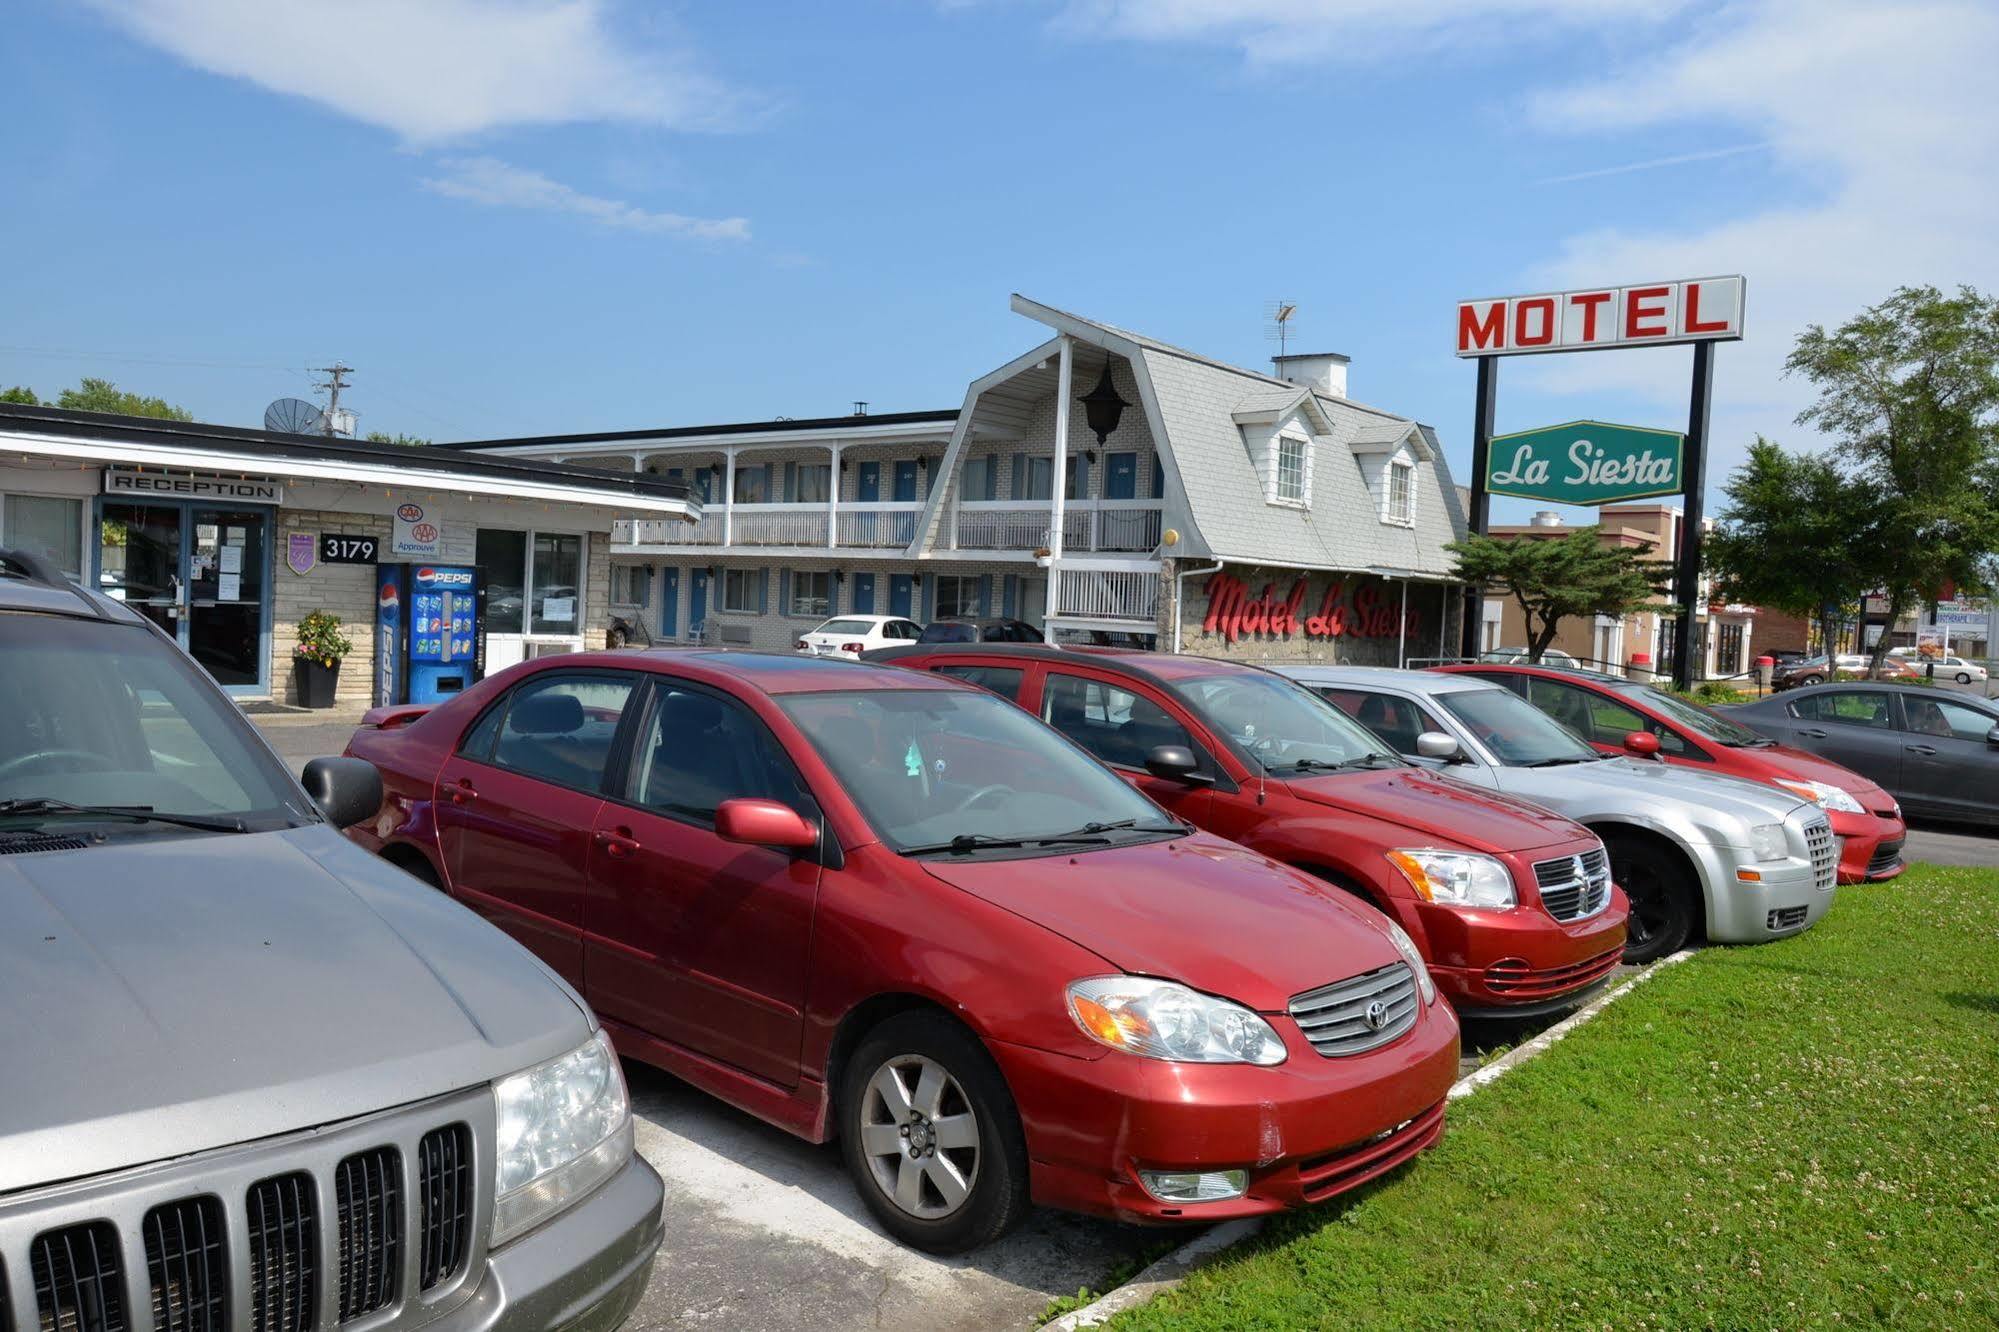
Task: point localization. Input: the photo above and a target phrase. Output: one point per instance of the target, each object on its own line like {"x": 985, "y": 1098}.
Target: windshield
{"x": 1518, "y": 733}
{"x": 1701, "y": 720}
{"x": 927, "y": 766}
{"x": 1282, "y": 725}
{"x": 108, "y": 715}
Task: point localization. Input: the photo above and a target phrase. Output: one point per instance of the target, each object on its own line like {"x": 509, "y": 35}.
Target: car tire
{"x": 1964, "y": 677}
{"x": 965, "y": 1136}
{"x": 1812, "y": 680}
{"x": 1664, "y": 897}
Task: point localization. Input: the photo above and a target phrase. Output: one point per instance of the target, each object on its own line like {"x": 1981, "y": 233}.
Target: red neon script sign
{"x": 1232, "y": 612}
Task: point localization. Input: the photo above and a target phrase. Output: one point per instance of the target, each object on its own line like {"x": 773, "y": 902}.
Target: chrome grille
{"x": 78, "y": 1284}
{"x": 1574, "y": 886}
{"x": 1825, "y": 854}
{"x": 1358, "y": 1014}
{"x": 187, "y": 1263}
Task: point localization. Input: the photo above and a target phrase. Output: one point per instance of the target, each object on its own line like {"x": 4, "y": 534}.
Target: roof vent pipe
{"x": 1547, "y": 518}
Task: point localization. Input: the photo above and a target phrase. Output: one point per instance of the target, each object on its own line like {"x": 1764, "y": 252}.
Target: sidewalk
{"x": 299, "y": 736}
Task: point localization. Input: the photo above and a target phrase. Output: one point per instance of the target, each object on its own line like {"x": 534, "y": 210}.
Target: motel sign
{"x": 1657, "y": 313}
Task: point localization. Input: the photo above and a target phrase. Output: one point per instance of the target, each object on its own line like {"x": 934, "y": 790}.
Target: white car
{"x": 851, "y": 635}
{"x": 1519, "y": 656}
{"x": 1953, "y": 668}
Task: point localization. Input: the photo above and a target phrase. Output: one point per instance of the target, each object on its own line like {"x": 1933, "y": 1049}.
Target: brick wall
{"x": 345, "y": 590}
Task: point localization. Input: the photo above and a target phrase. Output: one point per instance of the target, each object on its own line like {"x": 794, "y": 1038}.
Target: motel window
{"x": 752, "y": 484}
{"x": 743, "y": 591}
{"x": 815, "y": 483}
{"x": 532, "y": 582}
{"x": 554, "y": 579}
{"x": 1040, "y": 478}
{"x": 980, "y": 478}
{"x": 502, "y": 558}
{"x": 631, "y": 585}
{"x": 811, "y": 593}
{"x": 1401, "y": 493}
{"x": 1291, "y": 469}
{"x": 48, "y": 526}
{"x": 957, "y": 596}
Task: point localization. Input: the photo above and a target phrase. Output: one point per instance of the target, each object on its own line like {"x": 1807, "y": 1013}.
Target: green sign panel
{"x": 1585, "y": 462}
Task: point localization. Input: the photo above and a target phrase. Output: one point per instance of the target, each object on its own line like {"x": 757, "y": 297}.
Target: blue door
{"x": 864, "y": 593}
{"x": 1121, "y": 477}
{"x": 669, "y": 602}
{"x": 900, "y": 588}
{"x": 697, "y": 610}
{"x": 905, "y": 480}
{"x": 868, "y": 482}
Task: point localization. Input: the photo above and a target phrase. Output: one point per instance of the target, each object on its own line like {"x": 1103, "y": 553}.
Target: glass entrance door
{"x": 199, "y": 572}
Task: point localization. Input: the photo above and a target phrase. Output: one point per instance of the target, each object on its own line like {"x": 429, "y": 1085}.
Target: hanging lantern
{"x": 1102, "y": 407}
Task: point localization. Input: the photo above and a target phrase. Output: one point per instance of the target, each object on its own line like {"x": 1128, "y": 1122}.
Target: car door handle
{"x": 1814, "y": 733}
{"x": 1921, "y": 749}
{"x": 463, "y": 791}
{"x": 618, "y": 845}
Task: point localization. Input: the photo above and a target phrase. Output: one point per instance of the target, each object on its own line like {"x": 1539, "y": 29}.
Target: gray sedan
{"x": 1936, "y": 752}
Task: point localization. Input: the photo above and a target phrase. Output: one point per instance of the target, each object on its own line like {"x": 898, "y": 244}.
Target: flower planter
{"x": 316, "y": 682}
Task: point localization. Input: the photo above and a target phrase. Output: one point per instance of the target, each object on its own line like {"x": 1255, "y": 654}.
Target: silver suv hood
{"x": 1721, "y": 806}
{"x": 169, "y": 995}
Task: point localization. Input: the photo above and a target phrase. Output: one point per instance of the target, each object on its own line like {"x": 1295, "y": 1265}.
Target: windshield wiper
{"x": 1364, "y": 761}
{"x": 965, "y": 843}
{"x": 136, "y": 813}
{"x": 1563, "y": 760}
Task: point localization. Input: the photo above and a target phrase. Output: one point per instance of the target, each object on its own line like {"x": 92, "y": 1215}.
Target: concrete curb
{"x": 1204, "y": 1248}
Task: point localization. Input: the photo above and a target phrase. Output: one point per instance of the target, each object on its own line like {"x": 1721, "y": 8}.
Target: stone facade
{"x": 345, "y": 590}
{"x": 1252, "y": 613}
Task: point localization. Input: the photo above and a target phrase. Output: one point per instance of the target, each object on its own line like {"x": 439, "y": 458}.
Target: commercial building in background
{"x": 227, "y": 538}
{"x": 1233, "y": 512}
{"x": 1727, "y": 632}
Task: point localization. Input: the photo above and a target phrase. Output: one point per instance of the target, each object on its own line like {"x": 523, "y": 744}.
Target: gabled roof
{"x": 1268, "y": 405}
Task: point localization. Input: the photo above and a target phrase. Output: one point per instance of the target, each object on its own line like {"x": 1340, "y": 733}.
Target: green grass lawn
{"x": 1801, "y": 1134}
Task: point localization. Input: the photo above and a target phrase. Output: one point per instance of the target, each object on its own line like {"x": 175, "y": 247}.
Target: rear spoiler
{"x": 388, "y": 719}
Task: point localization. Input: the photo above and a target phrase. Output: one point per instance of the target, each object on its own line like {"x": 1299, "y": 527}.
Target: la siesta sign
{"x": 1596, "y": 318}
{"x": 1367, "y": 613}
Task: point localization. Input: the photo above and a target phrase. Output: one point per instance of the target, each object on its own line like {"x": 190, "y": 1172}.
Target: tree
{"x": 1909, "y": 392}
{"x": 22, "y": 395}
{"x": 101, "y": 395}
{"x": 1797, "y": 535}
{"x": 407, "y": 441}
{"x": 1559, "y": 578}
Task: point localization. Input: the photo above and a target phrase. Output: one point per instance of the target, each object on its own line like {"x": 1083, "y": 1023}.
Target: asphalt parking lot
{"x": 764, "y": 1230}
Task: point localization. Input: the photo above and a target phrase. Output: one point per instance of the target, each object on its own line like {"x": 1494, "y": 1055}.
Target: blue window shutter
{"x": 1158, "y": 477}
{"x": 1010, "y": 606}
{"x": 784, "y": 591}
{"x": 763, "y": 591}
{"x": 992, "y": 476}
{"x": 986, "y": 595}
{"x": 790, "y": 482}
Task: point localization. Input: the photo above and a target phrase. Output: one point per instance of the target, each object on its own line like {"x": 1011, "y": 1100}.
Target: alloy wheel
{"x": 920, "y": 1137}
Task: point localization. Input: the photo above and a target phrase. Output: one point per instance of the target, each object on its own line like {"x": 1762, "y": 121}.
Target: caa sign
{"x": 1653, "y": 314}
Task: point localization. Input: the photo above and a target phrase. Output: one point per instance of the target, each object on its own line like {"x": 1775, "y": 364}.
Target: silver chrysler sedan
{"x": 1696, "y": 852}
{"x": 254, "y": 1077}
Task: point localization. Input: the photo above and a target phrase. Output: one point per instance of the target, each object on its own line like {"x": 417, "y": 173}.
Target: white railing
{"x": 885, "y": 525}
{"x": 1102, "y": 591}
{"x": 668, "y": 531}
{"x": 1087, "y": 525}
{"x": 779, "y": 525}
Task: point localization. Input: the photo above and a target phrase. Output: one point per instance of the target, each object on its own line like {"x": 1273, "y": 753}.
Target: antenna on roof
{"x": 1279, "y": 315}
{"x": 334, "y": 420}
{"x": 294, "y": 416}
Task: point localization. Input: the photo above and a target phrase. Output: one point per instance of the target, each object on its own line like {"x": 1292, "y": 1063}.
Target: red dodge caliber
{"x": 1246, "y": 753}
{"x": 888, "y": 908}
{"x": 1607, "y": 710}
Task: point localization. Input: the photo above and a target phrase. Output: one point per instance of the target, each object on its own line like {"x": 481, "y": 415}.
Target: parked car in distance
{"x": 852, "y": 635}
{"x": 1934, "y": 750}
{"x": 1941, "y": 667}
{"x": 1802, "y": 671}
{"x": 1512, "y": 655}
{"x": 887, "y": 908}
{"x": 1606, "y": 710}
{"x": 1697, "y": 852}
{"x": 957, "y": 630}
{"x": 256, "y": 1077}
{"x": 1512, "y": 905}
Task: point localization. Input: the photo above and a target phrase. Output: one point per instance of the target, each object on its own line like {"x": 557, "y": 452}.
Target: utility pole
{"x": 336, "y": 379}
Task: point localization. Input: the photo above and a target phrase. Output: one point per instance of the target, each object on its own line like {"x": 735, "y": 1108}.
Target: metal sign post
{"x": 1481, "y": 503}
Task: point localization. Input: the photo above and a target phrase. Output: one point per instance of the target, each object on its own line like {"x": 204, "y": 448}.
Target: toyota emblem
{"x": 1377, "y": 1015}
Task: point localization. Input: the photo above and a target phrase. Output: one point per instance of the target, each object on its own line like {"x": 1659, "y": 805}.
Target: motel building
{"x": 227, "y": 538}
{"x": 1102, "y": 485}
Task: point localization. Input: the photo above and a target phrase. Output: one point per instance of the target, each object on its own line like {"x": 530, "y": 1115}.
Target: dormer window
{"x": 1401, "y": 506}
{"x": 1292, "y": 477}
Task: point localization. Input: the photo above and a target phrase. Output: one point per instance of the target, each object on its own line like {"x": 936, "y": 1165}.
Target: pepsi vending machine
{"x": 427, "y": 626}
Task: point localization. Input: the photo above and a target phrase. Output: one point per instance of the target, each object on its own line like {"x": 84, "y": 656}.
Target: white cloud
{"x": 487, "y": 180}
{"x": 436, "y": 70}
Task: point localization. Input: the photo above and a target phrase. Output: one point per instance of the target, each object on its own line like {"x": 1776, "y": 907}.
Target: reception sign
{"x": 1586, "y": 463}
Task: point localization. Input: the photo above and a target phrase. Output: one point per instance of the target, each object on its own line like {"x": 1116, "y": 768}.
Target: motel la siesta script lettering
{"x": 1232, "y": 612}
{"x": 1588, "y": 467}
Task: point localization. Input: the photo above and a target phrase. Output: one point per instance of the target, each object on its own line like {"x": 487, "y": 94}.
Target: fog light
{"x": 1176, "y": 1186}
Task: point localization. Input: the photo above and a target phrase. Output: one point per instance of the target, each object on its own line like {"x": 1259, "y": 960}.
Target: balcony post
{"x": 1056, "y": 485}
{"x": 833, "y": 497}
{"x": 728, "y": 496}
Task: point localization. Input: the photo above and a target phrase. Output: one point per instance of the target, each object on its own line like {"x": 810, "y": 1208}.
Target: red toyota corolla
{"x": 1511, "y": 904}
{"x": 1606, "y": 710}
{"x": 885, "y": 907}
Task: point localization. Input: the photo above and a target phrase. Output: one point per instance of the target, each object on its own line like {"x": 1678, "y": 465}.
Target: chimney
{"x": 1547, "y": 518}
{"x": 1323, "y": 371}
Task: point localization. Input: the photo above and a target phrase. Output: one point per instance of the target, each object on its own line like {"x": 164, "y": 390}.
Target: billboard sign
{"x": 1598, "y": 318}
{"x": 1586, "y": 462}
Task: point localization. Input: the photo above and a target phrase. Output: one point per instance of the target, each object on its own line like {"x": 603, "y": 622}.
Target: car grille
{"x": 1574, "y": 886}
{"x": 1321, "y": 1177}
{"x": 1787, "y": 918}
{"x": 1514, "y": 977}
{"x": 378, "y": 1220}
{"x": 1360, "y": 1013}
{"x": 1886, "y": 857}
{"x": 188, "y": 1266}
{"x": 1825, "y": 854}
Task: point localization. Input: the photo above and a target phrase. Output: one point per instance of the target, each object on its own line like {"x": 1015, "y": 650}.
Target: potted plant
{"x": 316, "y": 659}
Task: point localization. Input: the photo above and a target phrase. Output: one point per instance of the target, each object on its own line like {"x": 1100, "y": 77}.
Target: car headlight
{"x": 1455, "y": 878}
{"x": 564, "y": 1127}
{"x": 1161, "y": 1020}
{"x": 1823, "y": 794}
{"x": 1766, "y": 841}
{"x": 1407, "y": 947}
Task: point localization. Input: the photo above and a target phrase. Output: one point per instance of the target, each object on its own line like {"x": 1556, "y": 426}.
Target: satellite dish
{"x": 294, "y": 416}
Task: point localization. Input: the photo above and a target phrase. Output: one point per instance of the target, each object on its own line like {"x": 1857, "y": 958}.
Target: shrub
{"x": 320, "y": 639}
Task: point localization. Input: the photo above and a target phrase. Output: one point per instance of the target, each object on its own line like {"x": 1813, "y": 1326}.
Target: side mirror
{"x": 1992, "y": 737}
{"x": 1175, "y": 763}
{"x": 347, "y": 790}
{"x": 1437, "y": 745}
{"x": 1644, "y": 744}
{"x": 757, "y": 822}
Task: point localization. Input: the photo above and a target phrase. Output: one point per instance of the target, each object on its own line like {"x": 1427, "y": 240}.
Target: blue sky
{"x": 518, "y": 216}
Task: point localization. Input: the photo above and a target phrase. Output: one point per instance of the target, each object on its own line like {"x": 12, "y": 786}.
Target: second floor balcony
{"x": 1016, "y": 527}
